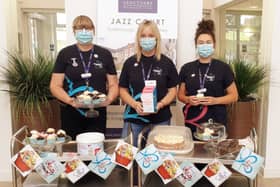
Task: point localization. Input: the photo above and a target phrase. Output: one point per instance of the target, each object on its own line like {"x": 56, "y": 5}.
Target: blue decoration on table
{"x": 102, "y": 165}
{"x": 148, "y": 159}
{"x": 248, "y": 163}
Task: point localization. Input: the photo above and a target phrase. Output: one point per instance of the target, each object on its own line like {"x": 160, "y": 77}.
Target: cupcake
{"x": 50, "y": 131}
{"x": 33, "y": 139}
{"x": 61, "y": 136}
{"x": 51, "y": 138}
{"x": 40, "y": 139}
{"x": 124, "y": 154}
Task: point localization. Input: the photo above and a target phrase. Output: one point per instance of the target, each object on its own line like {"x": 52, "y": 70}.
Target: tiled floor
{"x": 261, "y": 183}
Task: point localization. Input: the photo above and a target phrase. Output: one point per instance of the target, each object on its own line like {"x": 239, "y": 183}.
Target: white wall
{"x": 74, "y": 9}
{"x": 189, "y": 15}
{"x": 270, "y": 114}
{"x": 5, "y": 119}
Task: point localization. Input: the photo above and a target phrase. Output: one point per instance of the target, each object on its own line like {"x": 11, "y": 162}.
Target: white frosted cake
{"x": 164, "y": 141}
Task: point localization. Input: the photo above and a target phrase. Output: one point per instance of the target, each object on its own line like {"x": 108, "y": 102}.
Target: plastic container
{"x": 90, "y": 143}
{"x": 169, "y": 132}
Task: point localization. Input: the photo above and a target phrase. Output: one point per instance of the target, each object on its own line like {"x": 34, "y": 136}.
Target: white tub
{"x": 89, "y": 143}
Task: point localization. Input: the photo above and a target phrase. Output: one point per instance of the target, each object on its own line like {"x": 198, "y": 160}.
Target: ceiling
{"x": 247, "y": 5}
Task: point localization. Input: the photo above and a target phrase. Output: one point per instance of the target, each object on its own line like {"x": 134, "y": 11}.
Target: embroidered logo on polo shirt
{"x": 74, "y": 62}
{"x": 98, "y": 64}
{"x": 157, "y": 71}
{"x": 210, "y": 77}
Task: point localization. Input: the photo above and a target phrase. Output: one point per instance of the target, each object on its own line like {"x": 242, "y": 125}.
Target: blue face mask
{"x": 148, "y": 43}
{"x": 205, "y": 50}
{"x": 84, "y": 36}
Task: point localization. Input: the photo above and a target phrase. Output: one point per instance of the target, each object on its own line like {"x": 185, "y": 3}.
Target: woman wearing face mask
{"x": 79, "y": 67}
{"x": 148, "y": 64}
{"x": 206, "y": 84}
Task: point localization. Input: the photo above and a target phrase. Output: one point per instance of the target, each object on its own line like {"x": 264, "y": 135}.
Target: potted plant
{"x": 244, "y": 114}
{"x": 31, "y": 101}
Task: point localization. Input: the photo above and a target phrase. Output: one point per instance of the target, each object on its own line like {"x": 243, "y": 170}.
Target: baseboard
{"x": 5, "y": 176}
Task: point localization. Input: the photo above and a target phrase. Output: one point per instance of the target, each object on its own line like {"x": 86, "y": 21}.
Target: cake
{"x": 205, "y": 133}
{"x": 124, "y": 154}
{"x": 163, "y": 141}
{"x": 168, "y": 169}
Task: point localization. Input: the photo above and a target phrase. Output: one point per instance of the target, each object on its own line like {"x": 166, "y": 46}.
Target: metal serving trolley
{"x": 119, "y": 176}
{"x": 198, "y": 156}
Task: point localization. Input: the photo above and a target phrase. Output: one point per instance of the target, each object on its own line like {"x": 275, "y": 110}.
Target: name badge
{"x": 151, "y": 83}
{"x": 86, "y": 75}
{"x": 203, "y": 90}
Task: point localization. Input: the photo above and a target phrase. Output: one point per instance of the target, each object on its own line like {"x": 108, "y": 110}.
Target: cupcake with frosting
{"x": 61, "y": 136}
{"x": 50, "y": 131}
{"x": 51, "y": 138}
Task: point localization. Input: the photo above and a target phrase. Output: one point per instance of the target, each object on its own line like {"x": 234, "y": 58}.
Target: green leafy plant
{"x": 248, "y": 78}
{"x": 28, "y": 80}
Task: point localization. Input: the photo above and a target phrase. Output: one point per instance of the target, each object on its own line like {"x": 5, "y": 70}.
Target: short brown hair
{"x": 81, "y": 22}
{"x": 205, "y": 27}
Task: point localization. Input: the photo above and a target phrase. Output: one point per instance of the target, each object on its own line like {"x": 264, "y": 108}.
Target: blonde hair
{"x": 144, "y": 24}
{"x": 81, "y": 22}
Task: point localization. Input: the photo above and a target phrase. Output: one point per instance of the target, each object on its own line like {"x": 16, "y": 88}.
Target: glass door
{"x": 46, "y": 32}
{"x": 242, "y": 36}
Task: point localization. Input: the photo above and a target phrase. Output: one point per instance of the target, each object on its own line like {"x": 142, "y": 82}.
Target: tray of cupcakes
{"x": 46, "y": 140}
{"x": 90, "y": 99}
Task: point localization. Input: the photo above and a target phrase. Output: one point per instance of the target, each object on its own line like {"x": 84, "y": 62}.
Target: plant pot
{"x": 51, "y": 118}
{"x": 242, "y": 117}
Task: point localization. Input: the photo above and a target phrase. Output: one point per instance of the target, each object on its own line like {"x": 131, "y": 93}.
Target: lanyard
{"x": 202, "y": 80}
{"x": 146, "y": 77}
{"x": 86, "y": 67}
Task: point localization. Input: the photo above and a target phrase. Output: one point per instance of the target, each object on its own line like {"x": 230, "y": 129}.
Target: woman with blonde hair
{"x": 79, "y": 67}
{"x": 146, "y": 66}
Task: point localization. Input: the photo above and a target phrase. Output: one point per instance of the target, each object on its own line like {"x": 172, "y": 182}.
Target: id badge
{"x": 86, "y": 75}
{"x": 151, "y": 83}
